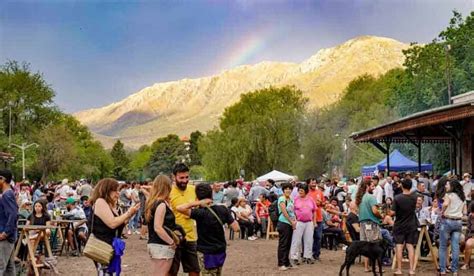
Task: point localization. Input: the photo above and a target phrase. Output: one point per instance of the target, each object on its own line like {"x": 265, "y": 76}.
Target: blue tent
{"x": 398, "y": 163}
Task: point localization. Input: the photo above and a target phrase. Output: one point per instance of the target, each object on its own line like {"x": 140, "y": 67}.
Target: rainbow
{"x": 247, "y": 48}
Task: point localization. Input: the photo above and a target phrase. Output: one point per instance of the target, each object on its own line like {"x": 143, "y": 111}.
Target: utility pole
{"x": 447, "y": 48}
{"x": 23, "y": 147}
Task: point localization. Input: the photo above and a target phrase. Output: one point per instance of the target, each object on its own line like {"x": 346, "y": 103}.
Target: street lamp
{"x": 23, "y": 147}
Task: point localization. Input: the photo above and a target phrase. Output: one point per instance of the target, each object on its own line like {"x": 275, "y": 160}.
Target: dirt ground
{"x": 244, "y": 258}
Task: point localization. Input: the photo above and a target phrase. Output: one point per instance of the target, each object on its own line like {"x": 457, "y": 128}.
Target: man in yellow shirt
{"x": 182, "y": 193}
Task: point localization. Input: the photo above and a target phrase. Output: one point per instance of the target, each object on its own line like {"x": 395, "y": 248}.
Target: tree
{"x": 139, "y": 162}
{"x": 194, "y": 148}
{"x": 166, "y": 152}
{"x": 120, "y": 160}
{"x": 56, "y": 147}
{"x": 259, "y": 133}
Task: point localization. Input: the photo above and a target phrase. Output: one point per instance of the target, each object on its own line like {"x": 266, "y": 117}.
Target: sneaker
{"x": 296, "y": 262}
{"x": 252, "y": 238}
{"x": 344, "y": 247}
{"x": 282, "y": 268}
{"x": 291, "y": 266}
{"x": 129, "y": 232}
{"x": 308, "y": 261}
{"x": 316, "y": 258}
{"x": 136, "y": 232}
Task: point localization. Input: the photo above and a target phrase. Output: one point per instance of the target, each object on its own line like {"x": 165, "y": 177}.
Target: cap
{"x": 70, "y": 200}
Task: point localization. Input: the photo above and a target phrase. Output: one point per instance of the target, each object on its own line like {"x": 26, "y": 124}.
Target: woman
{"x": 39, "y": 216}
{"x": 107, "y": 223}
{"x": 261, "y": 212}
{"x": 286, "y": 225}
{"x": 160, "y": 220}
{"x": 469, "y": 238}
{"x": 305, "y": 210}
{"x": 245, "y": 218}
{"x": 451, "y": 226}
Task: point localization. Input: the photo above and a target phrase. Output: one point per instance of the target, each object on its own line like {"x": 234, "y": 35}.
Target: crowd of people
{"x": 185, "y": 224}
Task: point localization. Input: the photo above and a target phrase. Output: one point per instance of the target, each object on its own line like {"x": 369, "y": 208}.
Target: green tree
{"x": 257, "y": 134}
{"x": 166, "y": 152}
{"x": 56, "y": 150}
{"x": 139, "y": 162}
{"x": 194, "y": 148}
{"x": 120, "y": 160}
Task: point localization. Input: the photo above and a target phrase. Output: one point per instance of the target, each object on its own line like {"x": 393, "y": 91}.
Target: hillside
{"x": 195, "y": 104}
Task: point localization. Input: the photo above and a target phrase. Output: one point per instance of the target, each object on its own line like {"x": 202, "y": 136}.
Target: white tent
{"x": 276, "y": 176}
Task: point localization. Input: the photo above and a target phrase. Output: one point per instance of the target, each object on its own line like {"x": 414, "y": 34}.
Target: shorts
{"x": 208, "y": 272}
{"x": 186, "y": 254}
{"x": 409, "y": 237}
{"x": 160, "y": 251}
{"x": 370, "y": 231}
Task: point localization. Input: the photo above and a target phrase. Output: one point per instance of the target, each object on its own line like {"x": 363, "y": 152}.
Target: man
{"x": 76, "y": 213}
{"x": 467, "y": 188}
{"x": 64, "y": 190}
{"x": 333, "y": 226}
{"x": 318, "y": 197}
{"x": 405, "y": 227}
{"x": 409, "y": 176}
{"x": 378, "y": 191}
{"x": 273, "y": 188}
{"x": 85, "y": 189}
{"x": 388, "y": 188}
{"x": 421, "y": 191}
{"x": 352, "y": 222}
{"x": 209, "y": 221}
{"x": 217, "y": 194}
{"x": 255, "y": 192}
{"x": 351, "y": 189}
{"x": 8, "y": 224}
{"x": 231, "y": 192}
{"x": 182, "y": 193}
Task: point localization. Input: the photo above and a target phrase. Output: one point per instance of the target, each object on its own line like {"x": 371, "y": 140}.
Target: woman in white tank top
{"x": 451, "y": 225}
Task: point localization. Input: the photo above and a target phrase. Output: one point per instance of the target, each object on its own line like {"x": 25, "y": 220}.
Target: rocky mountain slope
{"x": 187, "y": 105}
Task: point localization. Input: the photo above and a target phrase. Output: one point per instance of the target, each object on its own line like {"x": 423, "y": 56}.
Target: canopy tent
{"x": 398, "y": 162}
{"x": 276, "y": 176}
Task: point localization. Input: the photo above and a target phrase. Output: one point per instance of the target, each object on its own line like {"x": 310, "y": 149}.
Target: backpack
{"x": 273, "y": 210}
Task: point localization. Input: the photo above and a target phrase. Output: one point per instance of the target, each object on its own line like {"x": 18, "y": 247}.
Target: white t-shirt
{"x": 467, "y": 188}
{"x": 388, "y": 190}
{"x": 64, "y": 191}
{"x": 378, "y": 193}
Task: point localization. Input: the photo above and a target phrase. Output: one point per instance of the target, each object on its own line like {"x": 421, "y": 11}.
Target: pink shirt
{"x": 304, "y": 208}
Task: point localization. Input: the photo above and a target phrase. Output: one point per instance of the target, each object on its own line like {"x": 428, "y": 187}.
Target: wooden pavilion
{"x": 452, "y": 124}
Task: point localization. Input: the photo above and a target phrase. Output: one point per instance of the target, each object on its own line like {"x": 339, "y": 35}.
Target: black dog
{"x": 372, "y": 250}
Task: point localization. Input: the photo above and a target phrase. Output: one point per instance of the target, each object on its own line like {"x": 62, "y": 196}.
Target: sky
{"x": 93, "y": 53}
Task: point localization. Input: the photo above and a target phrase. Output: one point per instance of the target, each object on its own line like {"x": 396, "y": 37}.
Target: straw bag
{"x": 96, "y": 249}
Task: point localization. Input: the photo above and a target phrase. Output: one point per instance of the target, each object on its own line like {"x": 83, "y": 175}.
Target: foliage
{"x": 120, "y": 160}
{"x": 194, "y": 155}
{"x": 166, "y": 152}
{"x": 139, "y": 162}
{"x": 259, "y": 133}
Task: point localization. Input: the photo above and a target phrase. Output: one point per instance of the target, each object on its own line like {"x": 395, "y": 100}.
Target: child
{"x": 261, "y": 211}
{"x": 39, "y": 216}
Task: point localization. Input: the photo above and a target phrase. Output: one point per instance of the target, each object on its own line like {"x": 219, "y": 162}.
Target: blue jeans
{"x": 388, "y": 237}
{"x": 317, "y": 237}
{"x": 133, "y": 223}
{"x": 449, "y": 230}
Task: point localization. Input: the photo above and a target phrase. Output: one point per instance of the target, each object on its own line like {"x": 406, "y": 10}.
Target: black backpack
{"x": 273, "y": 210}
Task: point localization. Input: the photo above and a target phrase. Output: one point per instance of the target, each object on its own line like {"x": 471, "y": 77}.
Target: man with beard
{"x": 182, "y": 193}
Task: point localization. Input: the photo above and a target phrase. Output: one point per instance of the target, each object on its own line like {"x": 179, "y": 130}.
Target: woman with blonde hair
{"x": 161, "y": 221}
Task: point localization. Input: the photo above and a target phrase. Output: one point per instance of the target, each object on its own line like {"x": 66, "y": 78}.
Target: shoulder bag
{"x": 98, "y": 250}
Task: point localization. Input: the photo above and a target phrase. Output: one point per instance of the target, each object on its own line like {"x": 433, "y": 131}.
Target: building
{"x": 452, "y": 124}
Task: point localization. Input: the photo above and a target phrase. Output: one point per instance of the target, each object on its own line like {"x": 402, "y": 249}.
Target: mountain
{"x": 187, "y": 105}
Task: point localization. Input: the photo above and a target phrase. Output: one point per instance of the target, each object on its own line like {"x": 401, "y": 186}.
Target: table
{"x": 31, "y": 246}
{"x": 423, "y": 234}
{"x": 66, "y": 225}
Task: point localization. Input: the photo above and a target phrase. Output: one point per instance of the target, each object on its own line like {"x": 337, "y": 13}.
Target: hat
{"x": 7, "y": 174}
{"x": 65, "y": 181}
{"x": 341, "y": 184}
{"x": 321, "y": 186}
{"x": 466, "y": 175}
{"x": 70, "y": 200}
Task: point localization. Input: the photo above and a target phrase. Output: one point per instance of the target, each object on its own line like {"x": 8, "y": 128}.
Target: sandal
{"x": 398, "y": 272}
{"x": 411, "y": 272}
{"x": 465, "y": 267}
